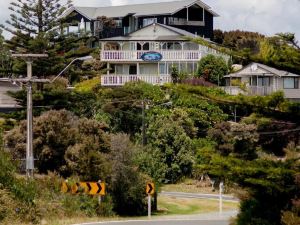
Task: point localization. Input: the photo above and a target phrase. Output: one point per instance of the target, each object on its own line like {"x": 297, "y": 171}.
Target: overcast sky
{"x": 264, "y": 16}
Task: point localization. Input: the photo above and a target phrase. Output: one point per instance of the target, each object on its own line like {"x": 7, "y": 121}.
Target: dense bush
{"x": 213, "y": 69}
{"x": 127, "y": 183}
{"x": 64, "y": 143}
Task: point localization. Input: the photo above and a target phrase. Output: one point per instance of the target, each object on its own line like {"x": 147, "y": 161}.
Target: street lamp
{"x": 77, "y": 59}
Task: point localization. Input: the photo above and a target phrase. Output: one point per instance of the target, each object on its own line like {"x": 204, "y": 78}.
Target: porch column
{"x": 161, "y": 45}
{"x": 142, "y": 43}
{"x": 103, "y": 46}
{"x": 158, "y": 70}
{"x": 108, "y": 66}
{"x": 121, "y": 45}
{"x": 138, "y": 68}
{"x": 256, "y": 84}
{"x": 182, "y": 45}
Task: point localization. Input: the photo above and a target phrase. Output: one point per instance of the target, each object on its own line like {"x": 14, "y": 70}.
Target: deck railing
{"x": 120, "y": 80}
{"x": 123, "y": 56}
{"x": 250, "y": 90}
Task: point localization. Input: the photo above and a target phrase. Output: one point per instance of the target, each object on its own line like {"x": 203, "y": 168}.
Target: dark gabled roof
{"x": 160, "y": 8}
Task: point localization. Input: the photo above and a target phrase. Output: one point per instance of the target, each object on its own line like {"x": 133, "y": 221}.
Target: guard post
{"x": 150, "y": 189}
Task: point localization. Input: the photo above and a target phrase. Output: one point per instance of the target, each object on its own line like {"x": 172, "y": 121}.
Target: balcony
{"x": 131, "y": 56}
{"x": 120, "y": 80}
{"x": 184, "y": 22}
{"x": 250, "y": 90}
{"x": 187, "y": 23}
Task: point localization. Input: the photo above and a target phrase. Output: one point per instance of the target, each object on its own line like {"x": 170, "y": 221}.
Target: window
{"x": 260, "y": 81}
{"x": 291, "y": 83}
{"x": 148, "y": 21}
{"x": 88, "y": 26}
{"x": 118, "y": 23}
{"x": 162, "y": 68}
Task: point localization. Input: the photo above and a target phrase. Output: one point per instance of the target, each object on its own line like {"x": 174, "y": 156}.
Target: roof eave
{"x": 72, "y": 9}
{"x": 201, "y": 4}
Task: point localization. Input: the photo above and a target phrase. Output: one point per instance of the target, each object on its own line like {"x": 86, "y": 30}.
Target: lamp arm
{"x": 63, "y": 70}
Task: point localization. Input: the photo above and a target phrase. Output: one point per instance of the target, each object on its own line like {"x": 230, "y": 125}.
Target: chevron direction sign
{"x": 90, "y": 188}
{"x": 150, "y": 188}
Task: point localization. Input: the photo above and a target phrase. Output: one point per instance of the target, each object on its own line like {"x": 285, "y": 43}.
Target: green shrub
{"x": 88, "y": 85}
{"x": 106, "y": 207}
{"x": 8, "y": 206}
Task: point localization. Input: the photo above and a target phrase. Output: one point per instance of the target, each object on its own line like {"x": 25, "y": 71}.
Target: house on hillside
{"x": 7, "y": 103}
{"x": 193, "y": 16}
{"x": 149, "y": 54}
{"x": 150, "y": 39}
{"x": 260, "y": 79}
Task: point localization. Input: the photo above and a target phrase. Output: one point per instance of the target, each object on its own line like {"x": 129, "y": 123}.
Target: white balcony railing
{"x": 187, "y": 23}
{"x": 250, "y": 90}
{"x": 123, "y": 56}
{"x": 184, "y": 22}
{"x": 120, "y": 80}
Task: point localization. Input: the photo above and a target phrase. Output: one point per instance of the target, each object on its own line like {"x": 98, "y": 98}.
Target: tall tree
{"x": 5, "y": 62}
{"x": 30, "y": 18}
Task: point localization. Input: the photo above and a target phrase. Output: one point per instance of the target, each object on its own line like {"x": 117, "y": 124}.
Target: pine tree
{"x": 31, "y": 18}
{"x": 5, "y": 62}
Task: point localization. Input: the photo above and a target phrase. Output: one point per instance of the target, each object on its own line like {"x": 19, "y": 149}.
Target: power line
{"x": 280, "y": 132}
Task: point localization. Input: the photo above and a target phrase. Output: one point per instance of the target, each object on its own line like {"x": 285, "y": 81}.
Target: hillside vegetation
{"x": 185, "y": 132}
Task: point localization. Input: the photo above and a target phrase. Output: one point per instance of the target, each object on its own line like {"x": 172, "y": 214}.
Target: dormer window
{"x": 148, "y": 21}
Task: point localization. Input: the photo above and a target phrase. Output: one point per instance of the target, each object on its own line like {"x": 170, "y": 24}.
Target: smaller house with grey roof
{"x": 259, "y": 79}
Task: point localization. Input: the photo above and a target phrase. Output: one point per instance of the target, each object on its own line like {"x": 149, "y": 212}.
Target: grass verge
{"x": 186, "y": 206}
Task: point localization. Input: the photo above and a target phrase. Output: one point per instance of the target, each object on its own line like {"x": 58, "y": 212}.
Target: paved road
{"x": 164, "y": 222}
{"x": 199, "y": 219}
{"x": 199, "y": 196}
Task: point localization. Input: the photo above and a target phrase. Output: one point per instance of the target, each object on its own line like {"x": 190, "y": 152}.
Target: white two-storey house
{"x": 149, "y": 54}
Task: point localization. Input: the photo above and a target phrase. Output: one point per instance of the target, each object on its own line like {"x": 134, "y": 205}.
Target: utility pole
{"x": 29, "y": 58}
{"x": 29, "y": 145}
{"x": 143, "y": 123}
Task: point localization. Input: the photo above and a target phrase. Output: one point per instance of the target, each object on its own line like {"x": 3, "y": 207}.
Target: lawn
{"x": 187, "y": 206}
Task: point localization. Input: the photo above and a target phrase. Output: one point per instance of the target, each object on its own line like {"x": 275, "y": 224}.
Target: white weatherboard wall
{"x": 151, "y": 30}
{"x": 289, "y": 93}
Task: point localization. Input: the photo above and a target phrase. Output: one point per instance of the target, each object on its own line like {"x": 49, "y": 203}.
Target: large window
{"x": 291, "y": 83}
{"x": 148, "y": 21}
